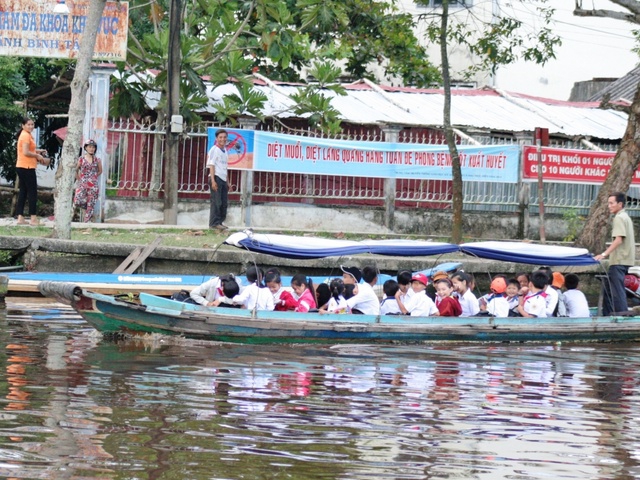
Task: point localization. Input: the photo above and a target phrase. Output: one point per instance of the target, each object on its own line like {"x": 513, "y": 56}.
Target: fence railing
{"x": 135, "y": 169}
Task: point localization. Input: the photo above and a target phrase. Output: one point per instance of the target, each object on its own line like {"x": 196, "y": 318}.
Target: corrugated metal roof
{"x": 485, "y": 109}
{"x": 623, "y": 89}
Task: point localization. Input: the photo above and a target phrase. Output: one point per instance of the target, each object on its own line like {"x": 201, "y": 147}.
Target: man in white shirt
{"x": 365, "y": 301}
{"x": 217, "y": 163}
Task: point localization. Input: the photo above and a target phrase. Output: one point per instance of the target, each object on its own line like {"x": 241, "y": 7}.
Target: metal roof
{"x": 623, "y": 89}
{"x": 487, "y": 109}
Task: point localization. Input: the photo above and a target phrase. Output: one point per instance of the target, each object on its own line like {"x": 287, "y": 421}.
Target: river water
{"x": 75, "y": 406}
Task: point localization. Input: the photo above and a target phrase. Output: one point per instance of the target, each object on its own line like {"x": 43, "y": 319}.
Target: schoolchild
{"x": 303, "y": 288}
{"x": 419, "y": 305}
{"x": 523, "y": 278}
{"x": 337, "y": 303}
{"x": 350, "y": 289}
{"x": 575, "y": 302}
{"x": 557, "y": 284}
{"x": 404, "y": 285}
{"x": 211, "y": 290}
{"x": 282, "y": 298}
{"x": 389, "y": 304}
{"x": 468, "y": 301}
{"x": 534, "y": 303}
{"x": 365, "y": 301}
{"x": 552, "y": 293}
{"x": 513, "y": 287}
{"x": 495, "y": 304}
{"x": 255, "y": 296}
{"x": 447, "y": 304}
{"x": 230, "y": 289}
{"x": 323, "y": 295}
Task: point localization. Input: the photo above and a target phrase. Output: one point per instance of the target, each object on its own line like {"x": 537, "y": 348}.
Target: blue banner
{"x": 275, "y": 152}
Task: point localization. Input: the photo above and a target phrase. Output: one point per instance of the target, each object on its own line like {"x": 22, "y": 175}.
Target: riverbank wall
{"x": 54, "y": 255}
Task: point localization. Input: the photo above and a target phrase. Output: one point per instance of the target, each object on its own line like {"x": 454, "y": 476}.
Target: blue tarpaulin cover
{"x": 290, "y": 246}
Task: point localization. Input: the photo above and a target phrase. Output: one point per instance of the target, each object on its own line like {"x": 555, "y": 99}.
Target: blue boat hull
{"x": 110, "y": 315}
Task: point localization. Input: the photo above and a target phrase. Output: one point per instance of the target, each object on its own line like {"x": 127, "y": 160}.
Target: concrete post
{"x": 96, "y": 125}
{"x": 524, "y": 138}
{"x": 246, "y": 177}
{"x": 391, "y": 135}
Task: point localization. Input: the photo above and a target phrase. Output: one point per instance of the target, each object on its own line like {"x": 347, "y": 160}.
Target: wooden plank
{"x": 137, "y": 257}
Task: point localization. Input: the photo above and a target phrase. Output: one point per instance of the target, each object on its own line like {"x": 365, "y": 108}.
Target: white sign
{"x": 31, "y": 28}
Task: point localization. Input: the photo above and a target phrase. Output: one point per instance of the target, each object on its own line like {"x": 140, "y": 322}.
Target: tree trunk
{"x": 66, "y": 175}
{"x": 623, "y": 168}
{"x": 457, "y": 194}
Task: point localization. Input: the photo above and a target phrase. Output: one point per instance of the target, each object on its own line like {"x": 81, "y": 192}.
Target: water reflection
{"x": 77, "y": 407}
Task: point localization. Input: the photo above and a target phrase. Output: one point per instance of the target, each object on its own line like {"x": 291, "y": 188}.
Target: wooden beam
{"x": 137, "y": 257}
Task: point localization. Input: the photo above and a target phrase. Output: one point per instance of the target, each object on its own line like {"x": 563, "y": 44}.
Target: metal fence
{"x": 135, "y": 169}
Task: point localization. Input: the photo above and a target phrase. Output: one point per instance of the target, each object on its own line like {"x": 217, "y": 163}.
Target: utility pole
{"x": 174, "y": 121}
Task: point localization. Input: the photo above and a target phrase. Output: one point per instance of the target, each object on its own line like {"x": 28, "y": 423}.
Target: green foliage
{"x": 230, "y": 40}
{"x": 502, "y": 41}
{"x": 246, "y": 101}
{"x": 6, "y": 257}
{"x": 18, "y": 76}
{"x": 574, "y": 223}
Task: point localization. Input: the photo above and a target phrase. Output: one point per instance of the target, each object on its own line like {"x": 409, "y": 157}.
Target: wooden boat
{"x": 154, "y": 314}
{"x": 107, "y": 283}
{"x": 117, "y": 283}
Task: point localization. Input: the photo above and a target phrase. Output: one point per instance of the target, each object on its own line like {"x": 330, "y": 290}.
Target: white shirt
{"x": 209, "y": 291}
{"x": 497, "y": 306}
{"x": 220, "y": 161}
{"x": 366, "y": 300}
{"x": 536, "y": 304}
{"x": 469, "y": 304}
{"x": 389, "y": 305}
{"x": 576, "y": 303}
{"x": 551, "y": 300}
{"x": 405, "y": 297}
{"x": 420, "y": 305}
{"x": 337, "y": 306}
{"x": 254, "y": 297}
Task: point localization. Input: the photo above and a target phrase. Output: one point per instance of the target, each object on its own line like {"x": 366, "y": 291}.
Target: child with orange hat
{"x": 495, "y": 304}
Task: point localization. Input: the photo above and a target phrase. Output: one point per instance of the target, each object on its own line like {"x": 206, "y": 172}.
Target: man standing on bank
{"x": 217, "y": 162}
{"x": 621, "y": 253}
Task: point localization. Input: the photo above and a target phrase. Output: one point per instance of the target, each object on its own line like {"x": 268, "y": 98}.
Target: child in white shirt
{"x": 255, "y": 296}
{"x": 337, "y": 302}
{"x": 513, "y": 288}
{"x": 419, "y": 305}
{"x": 574, "y": 300}
{"x": 534, "y": 303}
{"x": 468, "y": 301}
{"x": 389, "y": 304}
{"x": 495, "y": 304}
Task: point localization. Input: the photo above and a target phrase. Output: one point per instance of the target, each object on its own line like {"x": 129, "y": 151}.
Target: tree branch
{"x": 232, "y": 40}
{"x": 139, "y": 45}
{"x": 627, "y": 17}
{"x": 605, "y": 104}
{"x": 632, "y": 5}
{"x": 54, "y": 91}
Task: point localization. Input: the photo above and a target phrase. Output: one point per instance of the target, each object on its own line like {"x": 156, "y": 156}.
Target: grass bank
{"x": 142, "y": 236}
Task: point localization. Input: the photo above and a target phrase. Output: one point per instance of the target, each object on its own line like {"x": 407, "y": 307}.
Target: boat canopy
{"x": 290, "y": 246}
{"x": 296, "y": 247}
{"x": 529, "y": 253}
